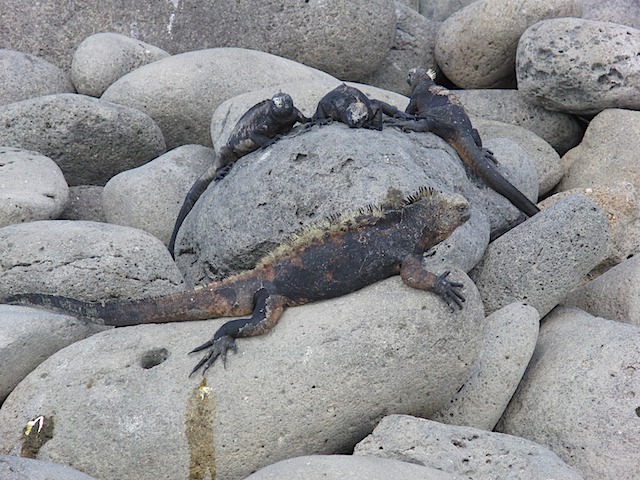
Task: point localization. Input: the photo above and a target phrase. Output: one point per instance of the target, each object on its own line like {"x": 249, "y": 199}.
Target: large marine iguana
{"x": 341, "y": 255}
{"x": 259, "y": 127}
{"x": 352, "y": 107}
{"x": 438, "y": 111}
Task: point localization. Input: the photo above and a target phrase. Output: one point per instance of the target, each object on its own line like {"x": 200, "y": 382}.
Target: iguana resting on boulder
{"x": 438, "y": 111}
{"x": 259, "y": 127}
{"x": 341, "y": 255}
{"x": 352, "y": 107}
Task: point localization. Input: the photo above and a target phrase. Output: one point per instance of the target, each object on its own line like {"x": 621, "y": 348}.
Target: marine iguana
{"x": 259, "y": 127}
{"x": 340, "y": 255}
{"x": 352, "y": 107}
{"x": 438, "y": 111}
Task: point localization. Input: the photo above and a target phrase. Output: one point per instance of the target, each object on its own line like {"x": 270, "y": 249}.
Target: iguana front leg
{"x": 414, "y": 275}
{"x": 266, "y": 313}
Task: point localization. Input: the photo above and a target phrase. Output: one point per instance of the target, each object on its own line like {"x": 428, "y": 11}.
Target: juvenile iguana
{"x": 259, "y": 127}
{"x": 438, "y": 111}
{"x": 341, "y": 255}
{"x": 352, "y": 107}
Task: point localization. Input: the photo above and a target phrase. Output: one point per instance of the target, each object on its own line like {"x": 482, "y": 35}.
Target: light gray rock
{"x": 465, "y": 451}
{"x": 344, "y": 467}
{"x": 91, "y": 140}
{"x": 304, "y": 388}
{"x": 607, "y": 153}
{"x": 33, "y": 187}
{"x": 29, "y": 336}
{"x": 509, "y": 338}
{"x": 578, "y": 396}
{"x": 476, "y": 46}
{"x": 86, "y": 260}
{"x": 25, "y": 76}
{"x": 625, "y": 12}
{"x": 103, "y": 58}
{"x": 579, "y": 66}
{"x": 149, "y": 197}
{"x": 541, "y": 260}
{"x": 544, "y": 158}
{"x": 561, "y": 131}
{"x": 85, "y": 203}
{"x": 413, "y": 46}
{"x": 206, "y": 78}
{"x": 614, "y": 295}
{"x": 18, "y": 468}
{"x": 440, "y": 10}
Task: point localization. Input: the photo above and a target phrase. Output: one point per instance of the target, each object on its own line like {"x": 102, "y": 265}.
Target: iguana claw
{"x": 447, "y": 290}
{"x": 220, "y": 346}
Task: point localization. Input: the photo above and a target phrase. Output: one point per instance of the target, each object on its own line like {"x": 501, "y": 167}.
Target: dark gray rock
{"x": 91, "y": 140}
{"x": 465, "y": 451}
{"x": 18, "y": 468}
{"x": 33, "y": 187}
{"x": 25, "y": 76}
{"x": 85, "y": 203}
{"x": 579, "y": 66}
{"x": 541, "y": 260}
{"x": 578, "y": 396}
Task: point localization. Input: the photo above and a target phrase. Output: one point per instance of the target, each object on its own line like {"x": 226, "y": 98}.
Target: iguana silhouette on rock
{"x": 338, "y": 256}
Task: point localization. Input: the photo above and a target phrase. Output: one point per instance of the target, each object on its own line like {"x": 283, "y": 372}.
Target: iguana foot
{"x": 448, "y": 291}
{"x": 219, "y": 348}
{"x": 488, "y": 154}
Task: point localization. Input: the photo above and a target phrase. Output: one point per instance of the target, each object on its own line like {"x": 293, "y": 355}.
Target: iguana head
{"x": 419, "y": 74}
{"x": 281, "y": 104}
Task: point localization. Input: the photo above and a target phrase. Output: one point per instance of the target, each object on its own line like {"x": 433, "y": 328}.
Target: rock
{"x": 476, "y": 46}
{"x": 465, "y": 451}
{"x": 91, "y": 140}
{"x": 544, "y": 158}
{"x": 586, "y": 66}
{"x": 29, "y": 336}
{"x": 85, "y": 203}
{"x": 413, "y": 46}
{"x": 333, "y": 354}
{"x": 625, "y": 12}
{"x": 149, "y": 197}
{"x": 509, "y": 338}
{"x": 561, "y": 131}
{"x": 86, "y": 260}
{"x": 33, "y": 187}
{"x": 607, "y": 153}
{"x": 440, "y": 10}
{"x": 577, "y": 396}
{"x": 103, "y": 58}
{"x": 347, "y": 467}
{"x": 25, "y": 76}
{"x": 206, "y": 78}
{"x": 302, "y": 179}
{"x": 541, "y": 260}
{"x": 18, "y": 468}
{"x": 614, "y": 295}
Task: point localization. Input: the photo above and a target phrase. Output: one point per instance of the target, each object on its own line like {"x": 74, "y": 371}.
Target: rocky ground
{"x": 102, "y": 134}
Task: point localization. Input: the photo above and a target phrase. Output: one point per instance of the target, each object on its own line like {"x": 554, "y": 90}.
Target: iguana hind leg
{"x": 266, "y": 313}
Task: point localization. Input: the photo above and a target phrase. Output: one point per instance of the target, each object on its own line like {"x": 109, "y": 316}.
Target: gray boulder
{"x": 103, "y": 58}
{"x": 577, "y": 397}
{"x": 541, "y": 260}
{"x": 25, "y": 76}
{"x": 85, "y": 203}
{"x": 305, "y": 388}
{"x": 476, "y": 46}
{"x": 33, "y": 187}
{"x": 509, "y": 338}
{"x": 440, "y": 10}
{"x": 344, "y": 467}
{"x": 19, "y": 468}
{"x": 465, "y": 451}
{"x": 579, "y": 66}
{"x": 91, "y": 140}
{"x": 87, "y": 260}
{"x": 149, "y": 197}
{"x": 206, "y": 78}
{"x": 625, "y": 12}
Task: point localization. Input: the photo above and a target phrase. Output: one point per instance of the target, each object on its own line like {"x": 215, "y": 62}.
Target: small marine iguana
{"x": 439, "y": 112}
{"x": 259, "y": 127}
{"x": 341, "y": 255}
{"x": 352, "y": 107}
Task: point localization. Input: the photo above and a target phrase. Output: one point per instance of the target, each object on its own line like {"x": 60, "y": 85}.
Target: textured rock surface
{"x": 33, "y": 187}
{"x": 18, "y": 468}
{"x": 578, "y": 396}
{"x": 91, "y": 140}
{"x": 85, "y": 203}
{"x": 587, "y": 66}
{"x": 465, "y": 451}
{"x": 625, "y": 12}
{"x": 304, "y": 388}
